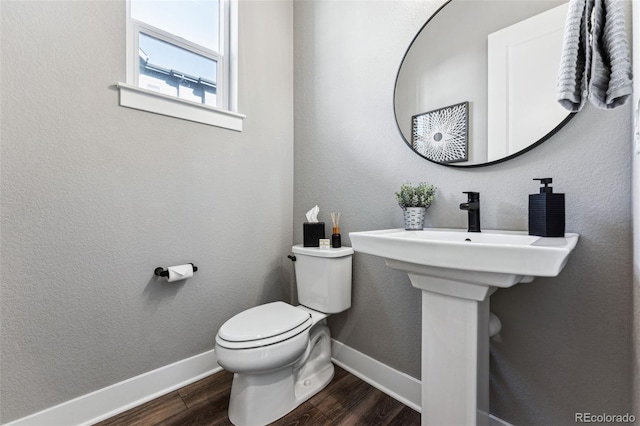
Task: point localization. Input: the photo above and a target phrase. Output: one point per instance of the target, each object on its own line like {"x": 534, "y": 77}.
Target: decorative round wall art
{"x": 442, "y": 135}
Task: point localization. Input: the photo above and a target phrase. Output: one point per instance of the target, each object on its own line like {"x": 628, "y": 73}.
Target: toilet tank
{"x": 323, "y": 278}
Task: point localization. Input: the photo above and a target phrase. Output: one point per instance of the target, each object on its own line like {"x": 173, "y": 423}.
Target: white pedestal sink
{"x": 457, "y": 271}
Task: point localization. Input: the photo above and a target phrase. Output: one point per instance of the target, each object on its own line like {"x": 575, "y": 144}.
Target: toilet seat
{"x": 263, "y": 325}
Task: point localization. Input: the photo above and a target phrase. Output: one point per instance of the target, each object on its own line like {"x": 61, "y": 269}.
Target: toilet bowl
{"x": 281, "y": 354}
{"x": 276, "y": 369}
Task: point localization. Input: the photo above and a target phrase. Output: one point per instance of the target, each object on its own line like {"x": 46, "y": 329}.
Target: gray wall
{"x": 95, "y": 196}
{"x": 565, "y": 341}
{"x": 636, "y": 218}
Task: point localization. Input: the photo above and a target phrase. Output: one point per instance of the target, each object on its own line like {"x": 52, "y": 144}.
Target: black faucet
{"x": 473, "y": 207}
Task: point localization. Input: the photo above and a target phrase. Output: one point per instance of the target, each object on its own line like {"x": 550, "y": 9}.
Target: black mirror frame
{"x": 464, "y": 166}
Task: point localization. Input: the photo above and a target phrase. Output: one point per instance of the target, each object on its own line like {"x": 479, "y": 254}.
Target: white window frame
{"x": 226, "y": 115}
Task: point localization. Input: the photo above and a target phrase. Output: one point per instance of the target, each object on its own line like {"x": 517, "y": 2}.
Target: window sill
{"x": 146, "y": 100}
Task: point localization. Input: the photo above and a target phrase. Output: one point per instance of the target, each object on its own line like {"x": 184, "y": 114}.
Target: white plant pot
{"x": 414, "y": 218}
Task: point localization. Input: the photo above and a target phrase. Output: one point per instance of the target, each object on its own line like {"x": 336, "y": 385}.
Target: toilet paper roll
{"x": 180, "y": 272}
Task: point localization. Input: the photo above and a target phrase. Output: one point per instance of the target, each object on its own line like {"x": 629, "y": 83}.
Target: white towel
{"x": 595, "y": 62}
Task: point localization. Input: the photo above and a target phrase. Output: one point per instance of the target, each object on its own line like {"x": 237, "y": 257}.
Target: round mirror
{"x": 477, "y": 84}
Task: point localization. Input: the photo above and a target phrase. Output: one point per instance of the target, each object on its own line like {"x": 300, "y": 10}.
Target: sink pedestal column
{"x": 455, "y": 351}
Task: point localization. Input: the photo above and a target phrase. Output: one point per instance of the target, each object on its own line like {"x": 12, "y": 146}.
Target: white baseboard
{"x": 396, "y": 384}
{"x": 115, "y": 399}
{"x": 495, "y": 421}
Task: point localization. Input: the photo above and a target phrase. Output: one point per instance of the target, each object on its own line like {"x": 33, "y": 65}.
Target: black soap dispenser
{"x": 546, "y": 211}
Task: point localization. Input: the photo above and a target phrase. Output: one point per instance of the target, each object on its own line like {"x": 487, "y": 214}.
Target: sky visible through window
{"x": 193, "y": 20}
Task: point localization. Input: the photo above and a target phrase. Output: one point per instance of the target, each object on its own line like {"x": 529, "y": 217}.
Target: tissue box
{"x": 312, "y": 233}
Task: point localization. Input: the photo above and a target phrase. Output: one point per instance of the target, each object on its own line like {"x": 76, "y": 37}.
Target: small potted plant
{"x": 415, "y": 200}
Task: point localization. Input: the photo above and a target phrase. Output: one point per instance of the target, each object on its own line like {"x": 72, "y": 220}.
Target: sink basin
{"x": 512, "y": 253}
{"x": 457, "y": 271}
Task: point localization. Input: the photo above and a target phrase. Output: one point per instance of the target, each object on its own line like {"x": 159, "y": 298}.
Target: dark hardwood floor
{"x": 347, "y": 400}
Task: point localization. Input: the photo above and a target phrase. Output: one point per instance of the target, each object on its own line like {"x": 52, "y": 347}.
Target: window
{"x": 180, "y": 60}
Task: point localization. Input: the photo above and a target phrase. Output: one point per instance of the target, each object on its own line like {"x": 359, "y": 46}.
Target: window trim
{"x": 150, "y": 101}
{"x": 227, "y": 116}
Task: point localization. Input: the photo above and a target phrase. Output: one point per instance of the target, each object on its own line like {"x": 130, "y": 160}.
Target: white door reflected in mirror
{"x": 522, "y": 63}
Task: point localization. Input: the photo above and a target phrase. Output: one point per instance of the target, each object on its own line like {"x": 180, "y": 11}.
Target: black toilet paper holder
{"x": 164, "y": 272}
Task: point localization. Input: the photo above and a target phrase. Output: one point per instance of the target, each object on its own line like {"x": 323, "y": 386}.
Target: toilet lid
{"x": 263, "y": 322}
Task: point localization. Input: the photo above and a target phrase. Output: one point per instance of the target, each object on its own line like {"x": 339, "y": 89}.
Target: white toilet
{"x": 281, "y": 354}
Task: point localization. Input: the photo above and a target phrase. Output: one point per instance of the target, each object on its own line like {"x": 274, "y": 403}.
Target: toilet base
{"x": 259, "y": 399}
